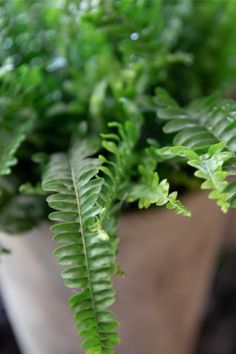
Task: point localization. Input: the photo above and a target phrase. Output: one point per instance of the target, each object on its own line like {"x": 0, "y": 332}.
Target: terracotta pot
{"x": 168, "y": 260}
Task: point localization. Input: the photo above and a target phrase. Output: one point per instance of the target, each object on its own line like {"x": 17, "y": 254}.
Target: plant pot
{"x": 169, "y": 262}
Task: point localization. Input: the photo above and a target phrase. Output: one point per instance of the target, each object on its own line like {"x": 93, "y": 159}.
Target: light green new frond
{"x": 150, "y": 190}
{"x": 84, "y": 250}
{"x": 209, "y": 167}
{"x": 115, "y": 169}
{"x": 12, "y": 134}
{"x": 120, "y": 146}
{"x": 203, "y": 123}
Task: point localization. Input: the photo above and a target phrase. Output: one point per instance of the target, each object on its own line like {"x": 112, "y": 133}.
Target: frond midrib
{"x": 82, "y": 232}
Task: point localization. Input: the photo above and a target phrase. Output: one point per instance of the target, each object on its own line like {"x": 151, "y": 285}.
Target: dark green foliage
{"x": 85, "y": 90}
{"x": 201, "y": 124}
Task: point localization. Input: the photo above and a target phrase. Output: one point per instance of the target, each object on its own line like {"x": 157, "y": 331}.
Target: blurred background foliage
{"x": 68, "y": 64}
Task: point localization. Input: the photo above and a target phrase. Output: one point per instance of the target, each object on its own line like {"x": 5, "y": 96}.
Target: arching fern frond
{"x": 204, "y": 122}
{"x": 84, "y": 250}
{"x": 209, "y": 167}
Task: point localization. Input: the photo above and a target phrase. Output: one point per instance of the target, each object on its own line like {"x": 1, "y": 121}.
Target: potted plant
{"x": 100, "y": 102}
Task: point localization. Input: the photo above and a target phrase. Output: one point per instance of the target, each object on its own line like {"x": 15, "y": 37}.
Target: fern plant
{"x": 99, "y": 115}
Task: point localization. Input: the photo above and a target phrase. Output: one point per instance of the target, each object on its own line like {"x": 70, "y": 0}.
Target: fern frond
{"x": 151, "y": 190}
{"x": 204, "y": 129}
{"x": 120, "y": 146}
{"x": 84, "y": 250}
{"x": 209, "y": 167}
{"x": 116, "y": 169}
{"x": 12, "y": 134}
{"x": 205, "y": 122}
